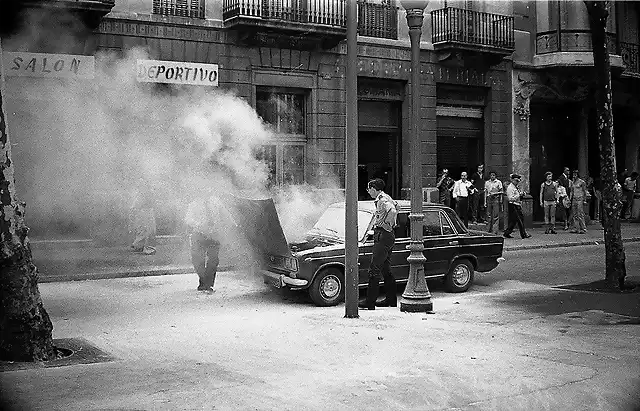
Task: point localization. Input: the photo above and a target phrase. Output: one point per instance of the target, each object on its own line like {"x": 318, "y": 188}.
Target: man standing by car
{"x": 444, "y": 186}
{"x": 204, "y": 222}
{"x": 477, "y": 198}
{"x": 384, "y": 220}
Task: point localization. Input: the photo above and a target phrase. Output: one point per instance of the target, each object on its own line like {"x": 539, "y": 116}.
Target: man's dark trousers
{"x": 462, "y": 208}
{"x": 515, "y": 218}
{"x": 383, "y": 241}
{"x": 205, "y": 258}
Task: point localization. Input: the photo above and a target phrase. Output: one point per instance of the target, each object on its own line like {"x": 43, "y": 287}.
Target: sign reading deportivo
{"x": 23, "y": 64}
{"x": 177, "y": 72}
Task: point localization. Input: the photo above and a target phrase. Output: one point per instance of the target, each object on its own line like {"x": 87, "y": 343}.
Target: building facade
{"x": 506, "y": 84}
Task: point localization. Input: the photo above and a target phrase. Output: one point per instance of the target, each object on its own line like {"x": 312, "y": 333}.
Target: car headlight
{"x": 291, "y": 264}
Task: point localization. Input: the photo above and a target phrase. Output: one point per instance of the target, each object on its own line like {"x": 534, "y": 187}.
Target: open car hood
{"x": 259, "y": 222}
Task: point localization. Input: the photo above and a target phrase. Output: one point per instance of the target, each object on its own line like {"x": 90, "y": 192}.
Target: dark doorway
{"x": 553, "y": 144}
{"x": 460, "y": 144}
{"x": 378, "y": 158}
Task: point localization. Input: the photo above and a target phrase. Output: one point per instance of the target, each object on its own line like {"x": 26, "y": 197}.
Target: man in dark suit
{"x": 477, "y": 198}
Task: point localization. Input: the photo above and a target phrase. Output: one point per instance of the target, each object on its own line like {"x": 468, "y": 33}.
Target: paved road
{"x": 558, "y": 266}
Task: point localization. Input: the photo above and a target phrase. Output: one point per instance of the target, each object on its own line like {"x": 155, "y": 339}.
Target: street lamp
{"x": 416, "y": 296}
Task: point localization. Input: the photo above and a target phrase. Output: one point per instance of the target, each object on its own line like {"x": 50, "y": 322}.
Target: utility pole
{"x": 351, "y": 165}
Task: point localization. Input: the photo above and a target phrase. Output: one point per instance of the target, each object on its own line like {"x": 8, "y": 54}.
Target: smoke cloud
{"x": 82, "y": 148}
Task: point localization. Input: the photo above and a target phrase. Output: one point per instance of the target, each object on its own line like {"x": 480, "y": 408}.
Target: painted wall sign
{"x": 177, "y": 72}
{"x": 23, "y": 64}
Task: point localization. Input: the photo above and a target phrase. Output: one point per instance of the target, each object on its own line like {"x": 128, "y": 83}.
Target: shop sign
{"x": 23, "y": 64}
{"x": 177, "y": 72}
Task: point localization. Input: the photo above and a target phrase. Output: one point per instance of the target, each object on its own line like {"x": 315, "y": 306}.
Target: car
{"x": 317, "y": 264}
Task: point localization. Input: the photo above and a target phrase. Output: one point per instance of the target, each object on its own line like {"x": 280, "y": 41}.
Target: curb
{"x": 169, "y": 270}
{"x": 562, "y": 245}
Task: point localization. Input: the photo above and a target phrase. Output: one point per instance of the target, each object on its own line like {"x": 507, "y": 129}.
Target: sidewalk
{"x": 153, "y": 343}
{"x": 84, "y": 260}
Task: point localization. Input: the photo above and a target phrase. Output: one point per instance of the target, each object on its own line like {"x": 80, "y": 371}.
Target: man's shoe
{"x": 385, "y": 303}
{"x": 363, "y": 305}
{"x": 546, "y": 231}
{"x": 507, "y": 235}
{"x": 526, "y": 236}
{"x": 553, "y": 231}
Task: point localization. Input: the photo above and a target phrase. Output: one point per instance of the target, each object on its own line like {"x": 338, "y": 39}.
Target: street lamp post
{"x": 416, "y": 296}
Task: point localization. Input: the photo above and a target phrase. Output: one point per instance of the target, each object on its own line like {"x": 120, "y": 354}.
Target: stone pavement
{"x": 162, "y": 346}
{"x": 85, "y": 260}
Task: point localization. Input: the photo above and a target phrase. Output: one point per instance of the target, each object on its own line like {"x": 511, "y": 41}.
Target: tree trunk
{"x": 611, "y": 190}
{"x": 25, "y": 327}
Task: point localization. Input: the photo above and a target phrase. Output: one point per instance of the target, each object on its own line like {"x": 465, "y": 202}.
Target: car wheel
{"x": 327, "y": 289}
{"x": 460, "y": 276}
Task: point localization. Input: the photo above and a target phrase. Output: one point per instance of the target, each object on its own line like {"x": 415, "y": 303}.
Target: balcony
{"x": 378, "y": 19}
{"x": 477, "y": 37}
{"x": 305, "y": 24}
{"x": 90, "y": 11}
{"x": 181, "y": 8}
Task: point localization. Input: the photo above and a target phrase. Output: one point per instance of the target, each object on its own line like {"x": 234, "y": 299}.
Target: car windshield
{"x": 332, "y": 223}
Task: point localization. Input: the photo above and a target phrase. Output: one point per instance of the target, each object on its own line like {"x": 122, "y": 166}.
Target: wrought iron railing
{"x": 180, "y": 8}
{"x": 472, "y": 28}
{"x": 378, "y": 19}
{"x": 324, "y": 12}
{"x": 629, "y": 53}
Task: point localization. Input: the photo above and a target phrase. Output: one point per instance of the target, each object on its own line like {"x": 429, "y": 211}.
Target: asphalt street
{"x": 511, "y": 342}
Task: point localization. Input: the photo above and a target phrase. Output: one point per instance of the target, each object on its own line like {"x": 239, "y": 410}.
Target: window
{"x": 446, "y": 226}
{"x": 285, "y": 111}
{"x": 180, "y": 8}
{"x": 402, "y": 228}
{"x": 431, "y": 224}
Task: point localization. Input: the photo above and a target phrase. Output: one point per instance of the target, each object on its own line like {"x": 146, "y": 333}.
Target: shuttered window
{"x": 180, "y": 8}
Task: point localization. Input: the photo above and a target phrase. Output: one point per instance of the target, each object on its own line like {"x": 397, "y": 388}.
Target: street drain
{"x": 71, "y": 351}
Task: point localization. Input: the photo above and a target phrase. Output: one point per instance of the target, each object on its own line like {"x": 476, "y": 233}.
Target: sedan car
{"x": 316, "y": 264}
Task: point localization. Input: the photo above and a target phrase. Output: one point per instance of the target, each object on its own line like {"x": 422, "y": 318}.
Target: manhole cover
{"x": 71, "y": 351}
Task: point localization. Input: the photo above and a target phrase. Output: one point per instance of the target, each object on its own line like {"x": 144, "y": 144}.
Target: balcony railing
{"x": 378, "y": 19}
{"x": 180, "y": 8}
{"x": 472, "y": 28}
{"x": 322, "y": 12}
{"x": 629, "y": 53}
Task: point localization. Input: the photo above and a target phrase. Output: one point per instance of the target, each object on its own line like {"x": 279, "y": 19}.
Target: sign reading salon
{"x": 177, "y": 72}
{"x": 24, "y": 64}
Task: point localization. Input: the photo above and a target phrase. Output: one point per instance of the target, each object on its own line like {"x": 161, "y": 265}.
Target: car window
{"x": 431, "y": 224}
{"x": 457, "y": 223}
{"x": 446, "y": 225}
{"x": 402, "y": 229}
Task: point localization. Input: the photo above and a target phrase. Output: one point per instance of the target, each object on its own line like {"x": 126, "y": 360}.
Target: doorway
{"x": 378, "y": 158}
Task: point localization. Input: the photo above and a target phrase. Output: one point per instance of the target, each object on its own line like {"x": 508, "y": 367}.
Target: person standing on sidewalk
{"x": 564, "y": 181}
{"x": 384, "y": 221}
{"x": 143, "y": 218}
{"x": 548, "y": 200}
{"x": 478, "y": 197}
{"x": 628, "y": 190}
{"x": 461, "y": 192}
{"x": 444, "y": 185}
{"x": 202, "y": 216}
{"x": 493, "y": 201}
{"x": 578, "y": 196}
{"x": 515, "y": 208}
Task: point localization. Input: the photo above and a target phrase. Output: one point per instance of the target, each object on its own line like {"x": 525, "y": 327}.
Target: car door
{"x": 439, "y": 239}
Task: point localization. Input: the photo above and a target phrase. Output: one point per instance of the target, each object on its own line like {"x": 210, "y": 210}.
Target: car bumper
{"x": 281, "y": 280}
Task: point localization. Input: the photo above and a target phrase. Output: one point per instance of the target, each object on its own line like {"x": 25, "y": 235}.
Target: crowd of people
{"x": 480, "y": 199}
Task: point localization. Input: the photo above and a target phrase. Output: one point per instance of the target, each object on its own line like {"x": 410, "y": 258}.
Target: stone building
{"x": 502, "y": 83}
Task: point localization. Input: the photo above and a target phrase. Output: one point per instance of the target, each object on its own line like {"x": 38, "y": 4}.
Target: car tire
{"x": 327, "y": 289}
{"x": 460, "y": 276}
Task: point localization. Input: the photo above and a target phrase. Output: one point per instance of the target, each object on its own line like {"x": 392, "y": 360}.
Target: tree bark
{"x": 611, "y": 190}
{"x": 25, "y": 327}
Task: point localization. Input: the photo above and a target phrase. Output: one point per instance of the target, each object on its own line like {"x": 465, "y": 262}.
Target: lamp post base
{"x": 422, "y": 305}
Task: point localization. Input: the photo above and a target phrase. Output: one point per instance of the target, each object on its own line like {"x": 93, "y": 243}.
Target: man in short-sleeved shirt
{"x": 384, "y": 221}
